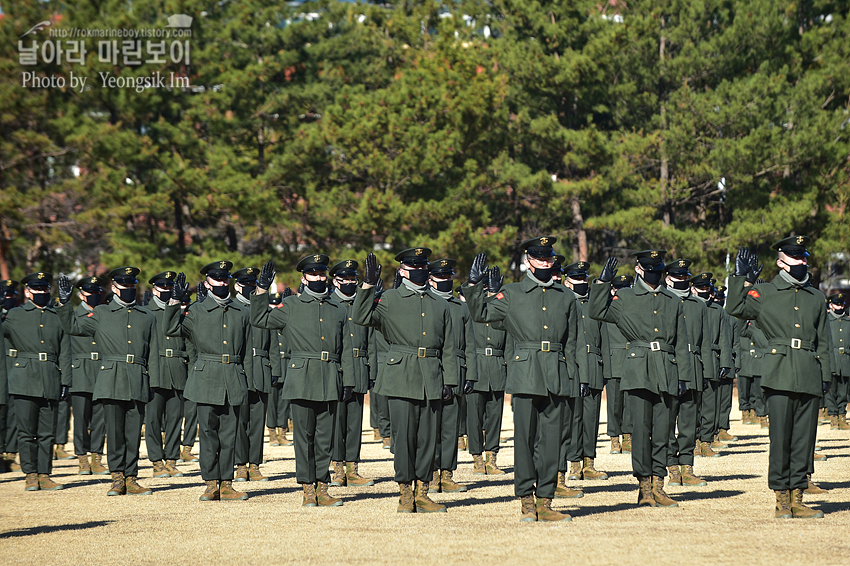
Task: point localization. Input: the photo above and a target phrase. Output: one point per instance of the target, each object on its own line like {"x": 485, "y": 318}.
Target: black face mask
{"x": 680, "y": 285}
{"x": 581, "y": 288}
{"x": 418, "y": 276}
{"x": 652, "y": 277}
{"x": 318, "y": 286}
{"x": 127, "y": 295}
{"x": 220, "y": 291}
{"x": 542, "y": 274}
{"x": 247, "y": 290}
{"x": 444, "y": 286}
{"x": 164, "y": 296}
{"x": 8, "y": 303}
{"x": 92, "y": 300}
{"x": 348, "y": 289}
{"x": 706, "y": 295}
{"x": 798, "y": 272}
{"x": 41, "y": 299}
{"x": 839, "y": 312}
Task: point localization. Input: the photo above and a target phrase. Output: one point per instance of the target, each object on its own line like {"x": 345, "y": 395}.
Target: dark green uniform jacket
{"x": 591, "y": 357}
{"x": 361, "y": 340}
{"x": 222, "y": 338}
{"x": 753, "y": 346}
{"x": 128, "y": 343}
{"x": 614, "y": 343}
{"x": 544, "y": 325}
{"x": 422, "y": 357}
{"x": 794, "y": 320}
{"x": 490, "y": 356}
{"x": 265, "y": 347}
{"x": 717, "y": 342}
{"x": 313, "y": 331}
{"x": 85, "y": 358}
{"x": 174, "y": 355}
{"x": 4, "y": 381}
{"x": 42, "y": 363}
{"x": 464, "y": 336}
{"x": 696, "y": 320}
{"x": 840, "y": 344}
{"x": 654, "y": 324}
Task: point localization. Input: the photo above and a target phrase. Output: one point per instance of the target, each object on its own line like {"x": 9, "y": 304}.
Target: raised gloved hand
{"x": 181, "y": 288}
{"x": 347, "y": 392}
{"x": 724, "y": 372}
{"x": 583, "y": 389}
{"x": 495, "y": 279}
{"x": 742, "y": 262}
{"x": 825, "y": 387}
{"x": 275, "y": 380}
{"x": 264, "y": 281}
{"x": 683, "y": 386}
{"x": 202, "y": 292}
{"x": 447, "y": 393}
{"x": 754, "y": 270}
{"x": 146, "y": 298}
{"x": 64, "y": 392}
{"x": 379, "y": 287}
{"x": 65, "y": 290}
{"x": 372, "y": 270}
{"x": 286, "y": 293}
{"x": 397, "y": 280}
{"x": 468, "y": 387}
{"x": 478, "y": 269}
{"x": 609, "y": 271}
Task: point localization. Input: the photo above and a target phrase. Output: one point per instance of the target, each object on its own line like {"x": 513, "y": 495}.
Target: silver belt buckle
{"x": 169, "y": 352}
{"x": 225, "y": 358}
{"x": 421, "y": 352}
{"x": 545, "y": 346}
{"x": 131, "y": 358}
{"x": 356, "y": 352}
{"x": 752, "y": 352}
{"x": 95, "y": 356}
{"x": 796, "y": 343}
{"x": 13, "y": 353}
{"x": 655, "y": 346}
{"x": 588, "y": 348}
{"x": 689, "y": 348}
{"x": 283, "y": 355}
{"x": 254, "y": 351}
{"x": 488, "y": 351}
{"x": 42, "y": 356}
{"x": 324, "y": 356}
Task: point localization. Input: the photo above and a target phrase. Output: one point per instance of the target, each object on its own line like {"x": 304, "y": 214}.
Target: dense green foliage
{"x": 697, "y": 126}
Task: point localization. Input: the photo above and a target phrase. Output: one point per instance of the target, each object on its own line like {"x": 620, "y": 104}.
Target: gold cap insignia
{"x": 222, "y": 264}
{"x": 544, "y": 241}
{"x": 800, "y": 239}
{"x": 681, "y": 263}
{"x": 348, "y": 263}
{"x": 249, "y": 271}
{"x": 40, "y": 275}
{"x": 317, "y": 258}
{"x": 8, "y": 282}
{"x": 443, "y": 263}
{"x": 419, "y": 251}
{"x": 653, "y": 254}
{"x": 128, "y": 271}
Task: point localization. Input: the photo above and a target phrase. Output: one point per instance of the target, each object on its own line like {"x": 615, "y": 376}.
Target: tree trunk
{"x": 5, "y": 238}
{"x": 581, "y": 234}
{"x": 664, "y": 174}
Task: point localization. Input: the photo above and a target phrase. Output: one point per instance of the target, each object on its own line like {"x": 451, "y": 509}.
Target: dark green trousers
{"x": 461, "y": 414}
{"x": 793, "y": 427}
{"x": 89, "y": 424}
{"x": 123, "y": 434}
{"x": 576, "y": 432}
{"x": 4, "y": 420}
{"x": 836, "y": 397}
{"x": 760, "y": 405}
{"x": 684, "y": 414}
{"x": 415, "y": 429}
{"x": 539, "y": 429}
{"x": 709, "y": 411}
{"x": 650, "y": 414}
{"x": 724, "y": 403}
{"x": 275, "y": 416}
{"x": 218, "y": 425}
{"x": 190, "y": 423}
{"x": 252, "y": 422}
{"x": 63, "y": 422}
{"x": 447, "y": 434}
{"x": 380, "y": 410}
{"x": 348, "y": 429}
{"x": 615, "y": 407}
{"x": 484, "y": 411}
{"x": 11, "y": 426}
{"x": 313, "y": 422}
{"x": 591, "y": 410}
{"x": 745, "y": 392}
{"x": 571, "y": 430}
{"x": 37, "y": 425}
{"x": 166, "y": 404}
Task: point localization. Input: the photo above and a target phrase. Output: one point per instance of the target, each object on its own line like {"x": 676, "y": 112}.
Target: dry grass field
{"x": 728, "y": 522}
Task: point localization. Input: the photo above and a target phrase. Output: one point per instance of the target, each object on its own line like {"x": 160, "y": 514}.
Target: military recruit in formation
{"x": 436, "y": 363}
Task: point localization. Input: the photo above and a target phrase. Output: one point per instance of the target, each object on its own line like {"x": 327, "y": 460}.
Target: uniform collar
{"x": 114, "y": 306}
{"x": 31, "y": 306}
{"x": 782, "y": 284}
{"x": 211, "y": 304}
{"x": 528, "y": 285}
{"x": 405, "y": 292}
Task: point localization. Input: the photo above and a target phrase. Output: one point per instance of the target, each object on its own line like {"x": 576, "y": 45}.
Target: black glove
{"x": 742, "y": 262}
{"x": 300, "y": 288}
{"x": 397, "y": 280}
{"x": 264, "y": 281}
{"x": 379, "y": 287}
{"x": 286, "y": 293}
{"x": 609, "y": 271}
{"x": 371, "y": 383}
{"x": 826, "y": 385}
{"x": 64, "y": 392}
{"x": 478, "y": 270}
{"x": 181, "y": 287}
{"x": 146, "y": 298}
{"x": 274, "y": 380}
{"x": 347, "y": 392}
{"x": 65, "y": 290}
{"x": 705, "y": 384}
{"x": 468, "y": 387}
{"x": 202, "y": 292}
{"x": 754, "y": 270}
{"x": 447, "y": 393}
{"x": 683, "y": 386}
{"x": 495, "y": 280}
{"x": 372, "y": 271}
{"x": 724, "y": 372}
{"x": 583, "y": 389}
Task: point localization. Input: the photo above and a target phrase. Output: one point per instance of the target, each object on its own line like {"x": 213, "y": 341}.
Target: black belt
{"x": 323, "y": 356}
{"x": 359, "y": 352}
{"x": 593, "y": 350}
{"x": 171, "y": 353}
{"x": 694, "y": 350}
{"x": 129, "y": 358}
{"x": 618, "y": 347}
{"x": 542, "y": 346}
{"x": 656, "y": 346}
{"x": 794, "y": 343}
{"x": 94, "y": 356}
{"x": 221, "y": 358}
{"x": 490, "y": 352}
{"x": 261, "y": 353}
{"x": 40, "y": 356}
{"x": 715, "y": 348}
{"x": 419, "y": 352}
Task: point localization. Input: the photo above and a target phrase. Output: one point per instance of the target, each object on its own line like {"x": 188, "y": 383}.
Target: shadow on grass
{"x": 589, "y": 510}
{"x": 53, "y": 529}
{"x": 698, "y": 495}
{"x": 826, "y": 507}
{"x": 730, "y": 477}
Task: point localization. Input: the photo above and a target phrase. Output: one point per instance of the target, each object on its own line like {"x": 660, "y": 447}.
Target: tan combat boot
{"x": 47, "y": 484}
{"x": 706, "y": 451}
{"x": 564, "y": 492}
{"x": 462, "y": 443}
{"x": 823, "y": 418}
{"x": 309, "y": 499}
{"x": 85, "y": 466}
{"x": 833, "y": 422}
{"x": 376, "y": 434}
{"x": 212, "y": 492}
{"x": 800, "y": 511}
{"x": 425, "y": 504}
{"x": 338, "y": 477}
{"x": 689, "y": 478}
{"x": 616, "y": 448}
{"x": 97, "y": 467}
{"x": 591, "y": 473}
{"x": 434, "y": 484}
{"x": 478, "y": 465}
{"x": 159, "y": 470}
{"x": 783, "y": 504}
{"x": 387, "y": 443}
{"x": 546, "y": 513}
{"x": 675, "y": 476}
{"x": 133, "y": 487}
{"x": 717, "y": 444}
{"x": 353, "y": 477}
{"x": 325, "y": 499}
{"x": 645, "y": 497}
{"x": 59, "y": 453}
{"x": 764, "y": 422}
{"x": 171, "y": 468}
{"x": 746, "y": 418}
{"x": 449, "y": 485}
{"x": 627, "y": 444}
{"x": 227, "y": 493}
{"x": 119, "y": 487}
{"x": 405, "y": 498}
{"x": 659, "y": 495}
{"x": 186, "y": 455}
{"x": 814, "y": 489}
{"x": 12, "y": 463}
{"x": 241, "y": 473}
{"x": 254, "y": 473}
{"x": 575, "y": 471}
{"x": 818, "y": 457}
{"x": 528, "y": 508}
{"x": 273, "y": 438}
{"x": 842, "y": 423}
{"x": 283, "y": 440}
{"x": 724, "y": 436}
{"x": 31, "y": 483}
{"x": 490, "y": 464}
